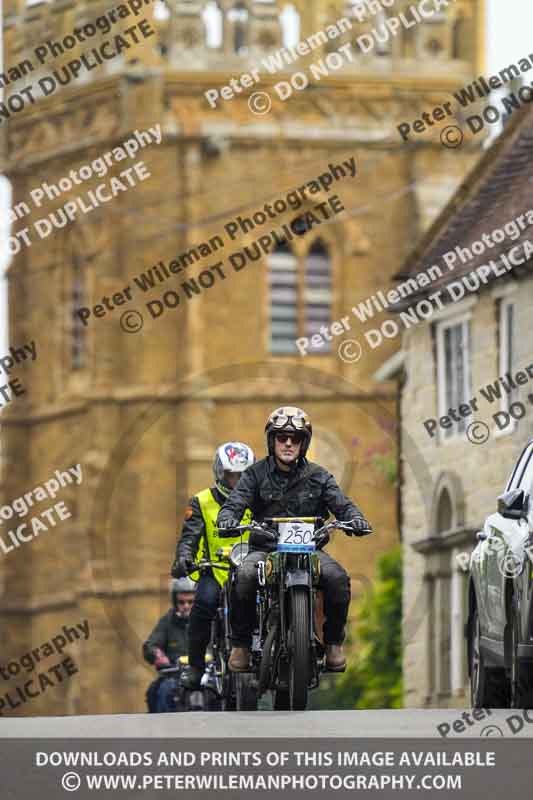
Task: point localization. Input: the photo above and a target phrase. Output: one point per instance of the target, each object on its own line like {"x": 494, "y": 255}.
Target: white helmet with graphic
{"x": 231, "y": 457}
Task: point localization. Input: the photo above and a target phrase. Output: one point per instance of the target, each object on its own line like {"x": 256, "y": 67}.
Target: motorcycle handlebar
{"x": 168, "y": 670}
{"x": 320, "y": 533}
{"x": 203, "y": 565}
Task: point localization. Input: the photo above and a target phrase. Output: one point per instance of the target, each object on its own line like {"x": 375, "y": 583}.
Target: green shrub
{"x": 373, "y": 679}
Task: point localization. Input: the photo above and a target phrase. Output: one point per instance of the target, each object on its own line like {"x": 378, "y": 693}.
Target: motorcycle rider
{"x": 286, "y": 484}
{"x": 166, "y": 643}
{"x": 199, "y": 538}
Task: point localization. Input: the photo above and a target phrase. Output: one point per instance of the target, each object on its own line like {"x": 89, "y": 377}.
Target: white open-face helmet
{"x": 231, "y": 457}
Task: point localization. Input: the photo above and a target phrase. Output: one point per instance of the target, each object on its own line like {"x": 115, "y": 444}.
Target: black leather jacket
{"x": 263, "y": 488}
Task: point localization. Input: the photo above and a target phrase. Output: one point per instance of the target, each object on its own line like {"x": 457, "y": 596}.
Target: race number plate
{"x": 296, "y": 535}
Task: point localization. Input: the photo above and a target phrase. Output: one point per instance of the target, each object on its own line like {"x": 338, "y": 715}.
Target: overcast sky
{"x": 509, "y": 25}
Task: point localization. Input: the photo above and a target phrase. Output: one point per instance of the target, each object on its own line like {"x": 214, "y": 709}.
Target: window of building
{"x": 507, "y": 356}
{"x": 444, "y": 512}
{"x": 283, "y": 274}
{"x": 317, "y": 293}
{"x": 290, "y": 26}
{"x": 459, "y": 38}
{"x": 238, "y": 15}
{"x": 453, "y": 372}
{"x": 214, "y": 23}
{"x": 78, "y": 330}
{"x": 300, "y": 297}
{"x": 408, "y": 47}
{"x": 382, "y": 35}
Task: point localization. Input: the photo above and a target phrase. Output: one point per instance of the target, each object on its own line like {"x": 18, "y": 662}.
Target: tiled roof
{"x": 499, "y": 189}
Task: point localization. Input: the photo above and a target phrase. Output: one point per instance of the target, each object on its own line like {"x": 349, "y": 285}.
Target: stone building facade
{"x": 454, "y": 469}
{"x": 143, "y": 412}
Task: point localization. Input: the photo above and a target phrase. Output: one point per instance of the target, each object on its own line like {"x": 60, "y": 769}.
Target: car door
{"x": 479, "y": 569}
{"x": 504, "y": 548}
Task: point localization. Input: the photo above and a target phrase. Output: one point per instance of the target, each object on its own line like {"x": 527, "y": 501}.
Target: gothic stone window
{"x": 300, "y": 297}
{"x": 78, "y": 341}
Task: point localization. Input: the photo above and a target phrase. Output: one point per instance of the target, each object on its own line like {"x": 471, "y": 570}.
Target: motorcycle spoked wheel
{"x": 246, "y": 694}
{"x": 212, "y": 701}
{"x": 299, "y": 636}
{"x": 280, "y": 697}
{"x": 282, "y": 700}
{"x": 265, "y": 667}
{"x": 229, "y": 700}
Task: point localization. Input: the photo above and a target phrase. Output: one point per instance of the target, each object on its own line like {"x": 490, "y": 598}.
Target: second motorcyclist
{"x": 199, "y": 539}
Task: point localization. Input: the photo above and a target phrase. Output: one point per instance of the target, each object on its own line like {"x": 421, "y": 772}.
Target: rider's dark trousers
{"x": 203, "y": 612}
{"x": 161, "y": 695}
{"x": 334, "y": 582}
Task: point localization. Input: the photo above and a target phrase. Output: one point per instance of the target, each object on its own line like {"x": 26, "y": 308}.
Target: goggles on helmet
{"x": 291, "y": 416}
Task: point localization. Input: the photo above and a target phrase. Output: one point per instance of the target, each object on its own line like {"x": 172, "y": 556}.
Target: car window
{"x": 522, "y": 474}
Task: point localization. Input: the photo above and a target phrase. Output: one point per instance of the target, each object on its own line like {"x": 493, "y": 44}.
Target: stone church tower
{"x": 142, "y": 412}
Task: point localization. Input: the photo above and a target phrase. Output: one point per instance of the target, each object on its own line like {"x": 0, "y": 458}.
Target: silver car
{"x": 499, "y": 630}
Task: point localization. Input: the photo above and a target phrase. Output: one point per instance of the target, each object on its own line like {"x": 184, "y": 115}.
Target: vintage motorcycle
{"x": 206, "y": 698}
{"x": 288, "y": 654}
{"x": 233, "y": 691}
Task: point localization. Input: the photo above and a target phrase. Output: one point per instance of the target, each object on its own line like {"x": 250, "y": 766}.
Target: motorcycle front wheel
{"x": 299, "y": 648}
{"x": 246, "y": 691}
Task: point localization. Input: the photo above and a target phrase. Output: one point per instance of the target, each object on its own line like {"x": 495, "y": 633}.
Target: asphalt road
{"x": 408, "y": 723}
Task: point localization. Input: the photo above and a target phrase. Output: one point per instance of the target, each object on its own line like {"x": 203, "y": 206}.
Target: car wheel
{"x": 521, "y": 673}
{"x": 488, "y": 686}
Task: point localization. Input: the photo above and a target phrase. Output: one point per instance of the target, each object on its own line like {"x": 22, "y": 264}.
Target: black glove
{"x": 182, "y": 566}
{"x": 225, "y": 526}
{"x": 359, "y": 526}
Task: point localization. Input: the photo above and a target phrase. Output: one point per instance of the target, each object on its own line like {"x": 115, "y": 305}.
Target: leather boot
{"x": 239, "y": 660}
{"x": 335, "y": 658}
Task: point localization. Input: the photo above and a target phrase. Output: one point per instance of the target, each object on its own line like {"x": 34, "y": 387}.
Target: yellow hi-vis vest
{"x": 210, "y": 543}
